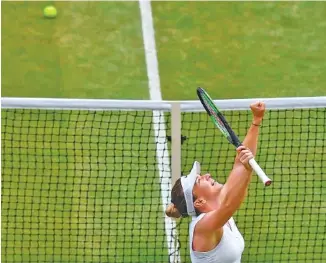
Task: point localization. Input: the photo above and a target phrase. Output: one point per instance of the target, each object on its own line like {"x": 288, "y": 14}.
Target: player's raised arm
{"x": 251, "y": 139}
{"x": 235, "y": 188}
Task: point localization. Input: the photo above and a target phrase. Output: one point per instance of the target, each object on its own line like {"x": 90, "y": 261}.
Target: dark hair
{"x": 178, "y": 208}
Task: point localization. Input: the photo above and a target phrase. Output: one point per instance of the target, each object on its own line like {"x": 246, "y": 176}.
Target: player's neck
{"x": 212, "y": 204}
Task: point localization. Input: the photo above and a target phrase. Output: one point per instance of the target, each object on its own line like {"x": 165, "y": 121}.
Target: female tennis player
{"x": 213, "y": 234}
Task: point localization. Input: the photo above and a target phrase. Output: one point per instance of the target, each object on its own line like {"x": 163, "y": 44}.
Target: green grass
{"x": 82, "y": 53}
{"x": 84, "y": 186}
{"x": 241, "y": 49}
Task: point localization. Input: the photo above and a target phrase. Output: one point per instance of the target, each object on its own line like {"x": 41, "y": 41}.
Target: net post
{"x": 175, "y": 141}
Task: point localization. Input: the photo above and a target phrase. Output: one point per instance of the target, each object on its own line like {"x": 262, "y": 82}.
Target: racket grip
{"x": 261, "y": 174}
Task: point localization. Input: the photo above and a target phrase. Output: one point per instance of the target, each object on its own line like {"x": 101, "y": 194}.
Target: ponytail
{"x": 172, "y": 211}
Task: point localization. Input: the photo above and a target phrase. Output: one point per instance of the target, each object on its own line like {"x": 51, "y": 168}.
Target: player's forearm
{"x": 240, "y": 176}
{"x": 236, "y": 186}
{"x": 234, "y": 191}
{"x": 251, "y": 139}
{"x": 238, "y": 180}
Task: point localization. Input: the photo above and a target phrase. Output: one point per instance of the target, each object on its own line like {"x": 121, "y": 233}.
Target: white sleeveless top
{"x": 229, "y": 250}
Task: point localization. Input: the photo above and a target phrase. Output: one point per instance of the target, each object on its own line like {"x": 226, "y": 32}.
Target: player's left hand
{"x": 258, "y": 110}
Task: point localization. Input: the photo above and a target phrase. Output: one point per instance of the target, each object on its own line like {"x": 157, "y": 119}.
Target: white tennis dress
{"x": 229, "y": 250}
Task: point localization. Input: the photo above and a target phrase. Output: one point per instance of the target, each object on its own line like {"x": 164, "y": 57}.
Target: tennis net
{"x": 88, "y": 180}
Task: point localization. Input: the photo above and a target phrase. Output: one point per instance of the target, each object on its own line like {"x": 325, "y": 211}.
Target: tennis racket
{"x": 221, "y": 123}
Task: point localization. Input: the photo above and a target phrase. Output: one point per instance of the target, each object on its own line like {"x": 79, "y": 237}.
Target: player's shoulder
{"x": 203, "y": 222}
{"x": 202, "y": 228}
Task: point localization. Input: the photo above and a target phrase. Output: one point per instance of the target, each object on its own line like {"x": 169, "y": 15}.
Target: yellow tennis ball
{"x": 50, "y": 12}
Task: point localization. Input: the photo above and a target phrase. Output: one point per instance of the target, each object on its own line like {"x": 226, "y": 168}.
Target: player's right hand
{"x": 245, "y": 155}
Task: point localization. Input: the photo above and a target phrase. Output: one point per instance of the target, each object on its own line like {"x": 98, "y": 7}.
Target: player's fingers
{"x": 262, "y": 104}
{"x": 246, "y": 157}
{"x": 255, "y": 104}
{"x": 243, "y": 152}
{"x": 241, "y": 148}
{"x": 259, "y": 105}
{"x": 243, "y": 159}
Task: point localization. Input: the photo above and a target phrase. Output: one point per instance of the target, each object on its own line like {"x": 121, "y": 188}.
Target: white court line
{"x": 162, "y": 152}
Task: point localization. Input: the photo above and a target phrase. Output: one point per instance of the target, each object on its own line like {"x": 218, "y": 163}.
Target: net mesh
{"x": 84, "y": 186}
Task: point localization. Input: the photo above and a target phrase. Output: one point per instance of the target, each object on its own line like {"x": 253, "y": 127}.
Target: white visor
{"x": 188, "y": 183}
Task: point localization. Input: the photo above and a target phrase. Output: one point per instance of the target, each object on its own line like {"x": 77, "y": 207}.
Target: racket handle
{"x": 261, "y": 174}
